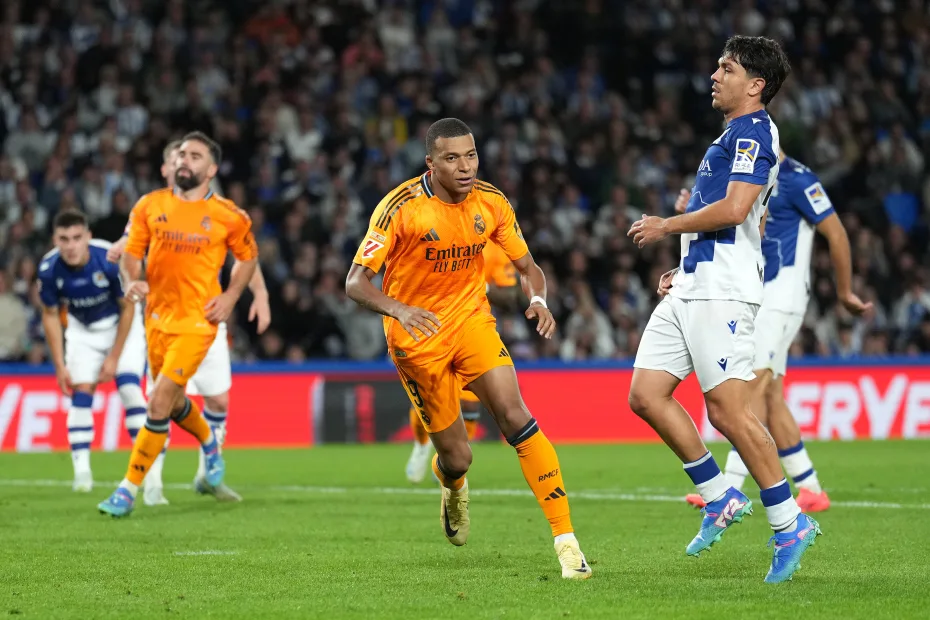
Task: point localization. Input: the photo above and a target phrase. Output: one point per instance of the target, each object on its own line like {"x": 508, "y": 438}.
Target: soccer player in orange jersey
{"x": 213, "y": 379}
{"x": 185, "y": 234}
{"x": 429, "y": 233}
{"x": 502, "y": 283}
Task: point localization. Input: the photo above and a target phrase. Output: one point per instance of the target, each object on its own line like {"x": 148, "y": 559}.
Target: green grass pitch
{"x": 336, "y": 532}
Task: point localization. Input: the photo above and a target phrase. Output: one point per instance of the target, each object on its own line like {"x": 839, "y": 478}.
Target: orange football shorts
{"x": 435, "y": 383}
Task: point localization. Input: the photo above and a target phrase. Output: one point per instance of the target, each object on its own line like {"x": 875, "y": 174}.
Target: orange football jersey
{"x": 498, "y": 269}
{"x": 433, "y": 253}
{"x": 186, "y": 242}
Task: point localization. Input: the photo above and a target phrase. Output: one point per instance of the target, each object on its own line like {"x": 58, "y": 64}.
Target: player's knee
{"x": 163, "y": 402}
{"x": 640, "y": 402}
{"x": 218, "y": 403}
{"x": 513, "y": 416}
{"x": 83, "y": 388}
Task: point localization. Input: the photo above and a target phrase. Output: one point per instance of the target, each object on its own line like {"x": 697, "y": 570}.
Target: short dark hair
{"x": 171, "y": 146}
{"x": 215, "y": 151}
{"x": 761, "y": 57}
{"x": 445, "y": 128}
{"x": 69, "y": 218}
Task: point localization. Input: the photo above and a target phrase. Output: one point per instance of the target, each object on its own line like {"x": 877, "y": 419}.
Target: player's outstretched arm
{"x": 731, "y": 210}
{"x": 533, "y": 282}
{"x": 834, "y": 231}
{"x": 51, "y": 323}
{"x": 360, "y": 290}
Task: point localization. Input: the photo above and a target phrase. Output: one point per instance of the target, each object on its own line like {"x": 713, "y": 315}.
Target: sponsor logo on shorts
{"x": 732, "y": 326}
{"x": 399, "y": 353}
{"x": 722, "y": 362}
{"x": 179, "y": 372}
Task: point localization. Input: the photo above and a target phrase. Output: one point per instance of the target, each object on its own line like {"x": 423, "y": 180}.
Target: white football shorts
{"x": 712, "y": 338}
{"x": 775, "y": 331}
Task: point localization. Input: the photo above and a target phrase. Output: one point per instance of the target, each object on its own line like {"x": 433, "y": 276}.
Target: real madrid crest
{"x": 205, "y": 222}
{"x": 100, "y": 279}
{"x": 479, "y": 225}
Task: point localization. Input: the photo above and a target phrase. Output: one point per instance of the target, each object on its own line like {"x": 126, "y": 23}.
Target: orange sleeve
{"x": 508, "y": 234}
{"x": 139, "y": 234}
{"x": 498, "y": 269}
{"x": 383, "y": 229}
{"x": 241, "y": 241}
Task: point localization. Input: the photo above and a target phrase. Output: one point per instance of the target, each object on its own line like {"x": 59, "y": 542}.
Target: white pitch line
{"x": 207, "y": 552}
{"x": 585, "y": 495}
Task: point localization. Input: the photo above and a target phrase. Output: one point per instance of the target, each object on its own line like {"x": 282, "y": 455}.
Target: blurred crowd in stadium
{"x": 588, "y": 113}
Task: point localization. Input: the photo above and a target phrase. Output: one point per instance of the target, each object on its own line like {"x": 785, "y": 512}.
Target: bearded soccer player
{"x": 184, "y": 235}
{"x": 214, "y": 377}
{"x": 502, "y": 283}
{"x": 706, "y": 319}
{"x": 429, "y": 233}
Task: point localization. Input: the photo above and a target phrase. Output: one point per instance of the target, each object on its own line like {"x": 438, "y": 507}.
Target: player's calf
{"x": 189, "y": 418}
{"x": 80, "y": 436}
{"x": 130, "y": 392}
